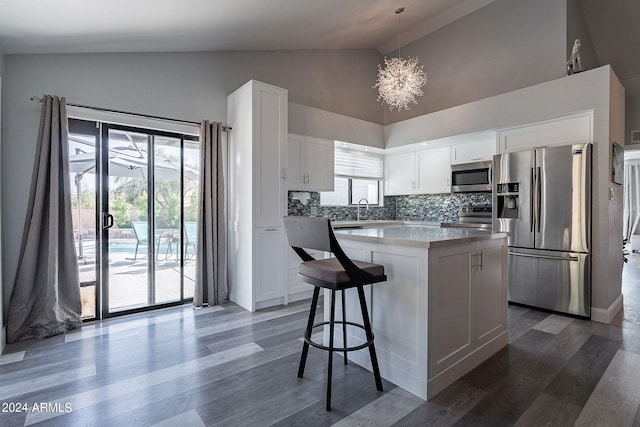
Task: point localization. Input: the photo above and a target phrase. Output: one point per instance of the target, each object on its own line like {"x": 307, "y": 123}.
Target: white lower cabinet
{"x": 269, "y": 279}
{"x": 467, "y": 300}
{"x": 489, "y": 292}
{"x": 296, "y": 288}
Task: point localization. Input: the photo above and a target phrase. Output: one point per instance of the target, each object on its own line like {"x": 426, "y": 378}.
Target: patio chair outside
{"x": 190, "y": 232}
{"x": 140, "y": 229}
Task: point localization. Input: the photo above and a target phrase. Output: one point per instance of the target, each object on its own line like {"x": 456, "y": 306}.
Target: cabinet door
{"x": 319, "y": 164}
{"x": 450, "y": 276}
{"x": 295, "y": 179}
{"x": 489, "y": 291}
{"x": 564, "y": 131}
{"x": 475, "y": 151}
{"x": 270, "y": 136}
{"x": 434, "y": 170}
{"x": 295, "y": 284}
{"x": 270, "y": 263}
{"x": 400, "y": 174}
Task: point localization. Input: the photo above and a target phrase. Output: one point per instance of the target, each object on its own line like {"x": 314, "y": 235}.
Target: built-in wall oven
{"x": 470, "y": 177}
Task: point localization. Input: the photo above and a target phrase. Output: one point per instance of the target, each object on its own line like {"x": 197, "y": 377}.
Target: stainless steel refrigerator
{"x": 542, "y": 197}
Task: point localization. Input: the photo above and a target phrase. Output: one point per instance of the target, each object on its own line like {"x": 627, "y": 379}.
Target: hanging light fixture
{"x": 400, "y": 81}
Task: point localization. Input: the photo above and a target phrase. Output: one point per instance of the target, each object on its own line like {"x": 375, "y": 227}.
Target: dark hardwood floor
{"x": 225, "y": 366}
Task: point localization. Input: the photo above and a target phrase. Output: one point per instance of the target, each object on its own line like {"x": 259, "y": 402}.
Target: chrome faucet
{"x": 367, "y": 202}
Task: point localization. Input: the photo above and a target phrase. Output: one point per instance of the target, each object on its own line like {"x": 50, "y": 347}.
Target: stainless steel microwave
{"x": 470, "y": 177}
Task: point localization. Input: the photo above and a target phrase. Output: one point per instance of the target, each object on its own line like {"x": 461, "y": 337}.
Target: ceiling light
{"x": 400, "y": 81}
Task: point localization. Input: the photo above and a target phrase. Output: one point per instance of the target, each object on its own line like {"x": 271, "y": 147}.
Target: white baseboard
{"x": 603, "y": 315}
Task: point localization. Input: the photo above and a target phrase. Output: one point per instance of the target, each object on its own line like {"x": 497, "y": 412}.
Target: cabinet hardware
{"x": 476, "y": 261}
{"x": 270, "y": 229}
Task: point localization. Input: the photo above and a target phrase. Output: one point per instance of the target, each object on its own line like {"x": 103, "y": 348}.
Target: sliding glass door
{"x": 145, "y": 224}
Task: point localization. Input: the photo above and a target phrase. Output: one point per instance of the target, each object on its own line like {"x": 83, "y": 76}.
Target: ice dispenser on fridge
{"x": 507, "y": 200}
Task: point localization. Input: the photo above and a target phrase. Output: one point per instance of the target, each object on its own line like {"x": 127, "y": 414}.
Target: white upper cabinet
{"x": 574, "y": 129}
{"x": 418, "y": 172}
{"x": 310, "y": 163}
{"x": 400, "y": 174}
{"x": 434, "y": 171}
{"x": 270, "y": 135}
{"x": 474, "y": 151}
{"x": 295, "y": 176}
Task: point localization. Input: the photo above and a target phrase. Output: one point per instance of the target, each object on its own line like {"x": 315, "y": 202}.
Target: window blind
{"x": 358, "y": 164}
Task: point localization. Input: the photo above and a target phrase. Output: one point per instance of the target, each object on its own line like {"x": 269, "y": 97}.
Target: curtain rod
{"x": 39, "y": 100}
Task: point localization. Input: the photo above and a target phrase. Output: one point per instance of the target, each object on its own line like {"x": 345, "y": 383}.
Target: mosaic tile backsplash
{"x": 422, "y": 207}
{"x": 340, "y": 213}
{"x": 436, "y": 207}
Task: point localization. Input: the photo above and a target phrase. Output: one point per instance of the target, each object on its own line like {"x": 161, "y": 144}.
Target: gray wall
{"x": 506, "y": 45}
{"x": 632, "y": 108}
{"x": 190, "y": 86}
{"x": 577, "y": 29}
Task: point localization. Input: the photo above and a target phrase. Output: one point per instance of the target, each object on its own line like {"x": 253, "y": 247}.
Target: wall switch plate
{"x": 314, "y": 210}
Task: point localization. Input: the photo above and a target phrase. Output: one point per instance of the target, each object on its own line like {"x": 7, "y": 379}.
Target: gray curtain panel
{"x": 46, "y": 293}
{"x": 631, "y": 214}
{"x": 211, "y": 263}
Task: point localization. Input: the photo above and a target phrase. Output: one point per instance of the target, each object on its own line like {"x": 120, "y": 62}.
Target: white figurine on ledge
{"x": 574, "y": 64}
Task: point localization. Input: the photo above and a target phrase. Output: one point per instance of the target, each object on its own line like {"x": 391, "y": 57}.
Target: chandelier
{"x": 400, "y": 81}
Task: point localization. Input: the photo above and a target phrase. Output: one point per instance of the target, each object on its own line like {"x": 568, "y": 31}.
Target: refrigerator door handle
{"x": 531, "y": 207}
{"x": 491, "y": 175}
{"x": 539, "y": 195}
{"x": 561, "y": 258}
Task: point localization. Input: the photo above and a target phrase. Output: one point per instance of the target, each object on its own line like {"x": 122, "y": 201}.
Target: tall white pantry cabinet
{"x": 257, "y": 257}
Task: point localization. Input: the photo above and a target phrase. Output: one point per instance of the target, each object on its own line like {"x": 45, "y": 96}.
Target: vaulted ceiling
{"x": 63, "y": 26}
{"x": 614, "y": 26}
{"x": 56, "y": 26}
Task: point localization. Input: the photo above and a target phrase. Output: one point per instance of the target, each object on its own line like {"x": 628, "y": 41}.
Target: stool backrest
{"x": 305, "y": 232}
{"x": 308, "y": 232}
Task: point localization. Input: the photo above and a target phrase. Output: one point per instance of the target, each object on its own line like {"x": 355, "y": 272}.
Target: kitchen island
{"x": 443, "y": 309}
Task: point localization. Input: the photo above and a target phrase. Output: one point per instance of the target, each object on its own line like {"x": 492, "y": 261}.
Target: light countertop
{"x": 425, "y": 236}
{"x": 368, "y": 223}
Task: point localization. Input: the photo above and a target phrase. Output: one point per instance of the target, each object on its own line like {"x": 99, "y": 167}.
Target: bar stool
{"x": 336, "y": 274}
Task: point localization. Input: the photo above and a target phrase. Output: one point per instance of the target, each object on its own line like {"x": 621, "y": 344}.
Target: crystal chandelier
{"x": 400, "y": 81}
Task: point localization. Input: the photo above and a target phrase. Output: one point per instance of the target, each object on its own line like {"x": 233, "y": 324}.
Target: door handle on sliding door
{"x": 107, "y": 221}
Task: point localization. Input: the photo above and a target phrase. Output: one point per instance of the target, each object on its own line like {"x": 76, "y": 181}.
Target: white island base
{"x": 443, "y": 310}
